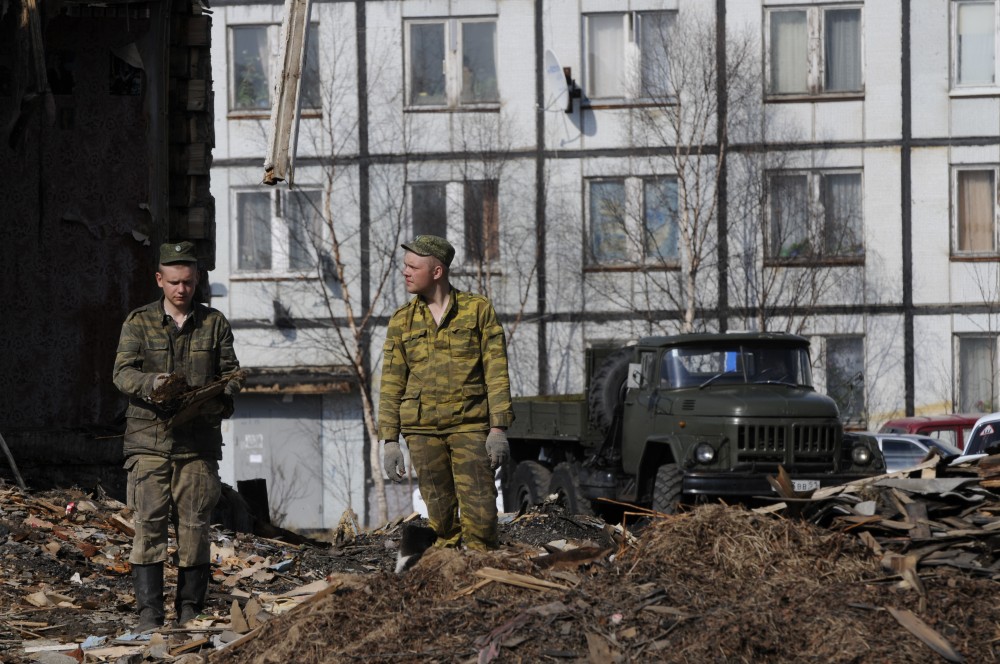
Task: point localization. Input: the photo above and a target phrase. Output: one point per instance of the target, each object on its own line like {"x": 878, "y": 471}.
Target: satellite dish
{"x": 560, "y": 89}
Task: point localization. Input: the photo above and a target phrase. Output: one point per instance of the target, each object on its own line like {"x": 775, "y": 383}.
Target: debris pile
{"x": 898, "y": 568}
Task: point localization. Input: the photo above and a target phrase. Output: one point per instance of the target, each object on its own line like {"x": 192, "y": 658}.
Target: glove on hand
{"x": 497, "y": 448}
{"x": 159, "y": 381}
{"x": 392, "y": 460}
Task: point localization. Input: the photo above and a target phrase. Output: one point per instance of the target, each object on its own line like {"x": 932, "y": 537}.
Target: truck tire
{"x": 529, "y": 484}
{"x": 566, "y": 484}
{"x": 607, "y": 388}
{"x": 667, "y": 488}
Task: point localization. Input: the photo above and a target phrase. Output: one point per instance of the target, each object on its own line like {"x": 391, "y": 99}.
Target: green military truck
{"x": 680, "y": 418}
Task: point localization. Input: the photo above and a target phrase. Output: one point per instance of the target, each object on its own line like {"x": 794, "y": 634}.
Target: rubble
{"x": 896, "y": 568}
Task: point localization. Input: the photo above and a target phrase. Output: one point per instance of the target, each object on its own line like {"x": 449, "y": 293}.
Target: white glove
{"x": 497, "y": 448}
{"x": 159, "y": 381}
{"x": 392, "y": 461}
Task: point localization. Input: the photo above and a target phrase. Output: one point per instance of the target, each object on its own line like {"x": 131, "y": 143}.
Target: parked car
{"x": 902, "y": 451}
{"x": 985, "y": 436}
{"x": 952, "y": 428}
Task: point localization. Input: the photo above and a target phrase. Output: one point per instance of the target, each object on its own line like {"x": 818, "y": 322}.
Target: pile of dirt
{"x": 717, "y": 584}
{"x": 901, "y": 570}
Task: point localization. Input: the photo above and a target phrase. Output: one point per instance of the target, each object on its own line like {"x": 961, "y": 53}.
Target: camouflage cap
{"x": 177, "y": 252}
{"x": 431, "y": 245}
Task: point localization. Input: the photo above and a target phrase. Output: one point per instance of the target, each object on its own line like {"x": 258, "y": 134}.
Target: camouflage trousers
{"x": 456, "y": 483}
{"x": 184, "y": 491}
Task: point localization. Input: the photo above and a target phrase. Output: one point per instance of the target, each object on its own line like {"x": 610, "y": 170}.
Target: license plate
{"x": 805, "y": 485}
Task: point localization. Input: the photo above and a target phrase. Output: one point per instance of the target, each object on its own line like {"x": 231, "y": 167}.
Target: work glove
{"x": 159, "y": 381}
{"x": 497, "y": 448}
{"x": 392, "y": 460}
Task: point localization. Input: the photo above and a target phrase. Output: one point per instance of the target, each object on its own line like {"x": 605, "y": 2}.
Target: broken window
{"x": 626, "y": 54}
{"x": 451, "y": 62}
{"x": 975, "y": 211}
{"x": 816, "y": 214}
{"x": 814, "y": 50}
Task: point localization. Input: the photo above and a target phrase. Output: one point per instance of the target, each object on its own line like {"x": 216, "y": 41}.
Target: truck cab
{"x": 716, "y": 414}
{"x": 686, "y": 417}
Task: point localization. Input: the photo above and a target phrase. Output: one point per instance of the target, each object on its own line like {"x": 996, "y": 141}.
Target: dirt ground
{"x": 711, "y": 584}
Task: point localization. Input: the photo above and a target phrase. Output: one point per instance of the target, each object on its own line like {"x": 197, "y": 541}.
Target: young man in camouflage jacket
{"x": 173, "y": 471}
{"x": 445, "y": 388}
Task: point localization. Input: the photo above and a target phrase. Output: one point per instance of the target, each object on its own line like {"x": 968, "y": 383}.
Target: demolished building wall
{"x": 106, "y": 128}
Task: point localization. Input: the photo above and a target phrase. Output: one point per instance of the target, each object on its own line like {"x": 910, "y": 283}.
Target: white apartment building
{"x": 834, "y": 175}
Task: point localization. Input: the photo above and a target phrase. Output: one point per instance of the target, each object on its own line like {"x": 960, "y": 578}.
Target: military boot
{"x": 147, "y": 580}
{"x": 192, "y": 586}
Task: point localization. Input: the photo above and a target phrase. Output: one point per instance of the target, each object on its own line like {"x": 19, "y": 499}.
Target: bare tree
{"x": 498, "y": 242}
{"x": 677, "y": 205}
{"x": 342, "y": 302}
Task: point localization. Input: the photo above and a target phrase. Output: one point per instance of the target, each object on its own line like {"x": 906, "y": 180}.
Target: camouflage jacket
{"x": 201, "y": 351}
{"x": 450, "y": 378}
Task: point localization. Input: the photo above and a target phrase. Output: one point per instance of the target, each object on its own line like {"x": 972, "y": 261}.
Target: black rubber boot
{"x": 147, "y": 581}
{"x": 192, "y": 587}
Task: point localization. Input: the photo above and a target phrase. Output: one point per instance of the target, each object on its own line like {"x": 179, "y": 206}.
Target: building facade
{"x": 824, "y": 168}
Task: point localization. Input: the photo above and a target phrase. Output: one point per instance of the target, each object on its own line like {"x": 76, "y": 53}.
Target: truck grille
{"x": 784, "y": 444}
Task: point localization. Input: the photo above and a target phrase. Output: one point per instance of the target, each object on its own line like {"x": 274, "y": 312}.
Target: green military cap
{"x": 431, "y": 245}
{"x": 177, "y": 252}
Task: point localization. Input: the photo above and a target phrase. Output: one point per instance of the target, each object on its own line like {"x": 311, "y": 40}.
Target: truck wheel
{"x": 607, "y": 388}
{"x": 529, "y": 484}
{"x": 667, "y": 489}
{"x": 566, "y": 484}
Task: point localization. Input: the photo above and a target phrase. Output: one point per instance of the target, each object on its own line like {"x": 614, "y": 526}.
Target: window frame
{"x": 456, "y": 230}
{"x": 453, "y": 52}
{"x": 273, "y": 36}
{"x": 635, "y": 226}
{"x": 956, "y": 253}
{"x": 862, "y": 406}
{"x": 632, "y": 61}
{"x": 280, "y": 234}
{"x": 816, "y": 53}
{"x": 816, "y": 222}
{"x": 994, "y": 339}
{"x": 972, "y": 89}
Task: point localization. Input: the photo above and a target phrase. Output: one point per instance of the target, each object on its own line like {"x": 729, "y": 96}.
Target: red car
{"x": 954, "y": 428}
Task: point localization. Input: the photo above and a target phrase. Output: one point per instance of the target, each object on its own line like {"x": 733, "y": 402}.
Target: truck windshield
{"x": 737, "y": 364}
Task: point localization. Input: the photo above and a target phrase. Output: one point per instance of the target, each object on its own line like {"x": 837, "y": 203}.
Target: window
{"x": 815, "y": 214}
{"x": 429, "y": 210}
{"x": 626, "y": 54}
{"x": 974, "y": 55}
{"x": 975, "y": 211}
{"x": 482, "y": 212}
{"x": 845, "y": 376}
{"x": 814, "y": 50}
{"x": 977, "y": 374}
{"x": 452, "y": 62}
{"x": 476, "y": 234}
{"x": 633, "y": 221}
{"x": 254, "y": 62}
{"x": 278, "y": 231}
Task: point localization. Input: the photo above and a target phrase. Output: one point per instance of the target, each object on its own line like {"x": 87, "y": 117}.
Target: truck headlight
{"x": 861, "y": 455}
{"x": 704, "y": 453}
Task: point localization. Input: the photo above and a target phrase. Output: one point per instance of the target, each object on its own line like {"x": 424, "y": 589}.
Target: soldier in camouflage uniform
{"x": 173, "y": 472}
{"x": 445, "y": 388}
